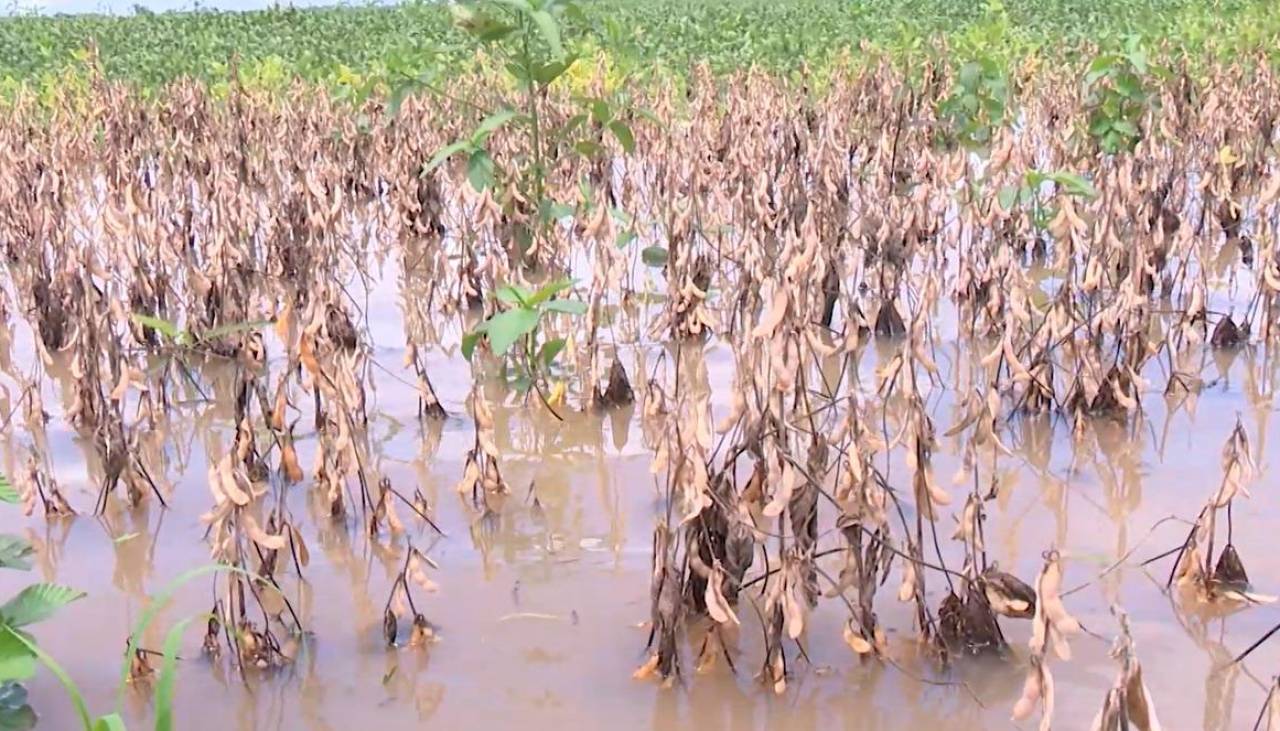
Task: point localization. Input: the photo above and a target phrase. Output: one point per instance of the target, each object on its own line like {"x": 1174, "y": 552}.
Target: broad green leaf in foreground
{"x": 36, "y": 603}
{"x": 16, "y": 661}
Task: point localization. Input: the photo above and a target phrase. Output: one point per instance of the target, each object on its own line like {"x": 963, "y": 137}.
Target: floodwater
{"x": 540, "y": 611}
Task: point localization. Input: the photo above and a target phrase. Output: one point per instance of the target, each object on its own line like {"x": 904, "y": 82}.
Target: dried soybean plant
{"x": 1128, "y": 704}
{"x": 400, "y": 601}
{"x": 1196, "y": 571}
{"x": 835, "y": 244}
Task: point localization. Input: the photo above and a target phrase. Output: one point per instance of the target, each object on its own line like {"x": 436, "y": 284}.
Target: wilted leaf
{"x": 717, "y": 606}
{"x": 269, "y": 541}
{"x": 855, "y": 640}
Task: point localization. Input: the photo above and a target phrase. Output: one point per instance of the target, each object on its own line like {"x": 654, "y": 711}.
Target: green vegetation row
{"x": 337, "y": 43}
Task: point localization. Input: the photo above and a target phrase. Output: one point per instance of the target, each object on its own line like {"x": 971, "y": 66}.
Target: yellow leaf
{"x": 557, "y": 393}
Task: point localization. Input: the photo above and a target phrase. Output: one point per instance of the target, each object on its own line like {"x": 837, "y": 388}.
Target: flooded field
{"x": 805, "y": 422}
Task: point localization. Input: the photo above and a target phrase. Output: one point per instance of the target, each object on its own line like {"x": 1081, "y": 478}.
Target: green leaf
{"x": 110, "y": 722}
{"x": 550, "y": 31}
{"x": 234, "y": 328}
{"x": 493, "y": 30}
{"x": 444, "y": 153}
{"x": 559, "y": 211}
{"x": 401, "y": 92}
{"x": 1125, "y": 127}
{"x": 521, "y": 383}
{"x": 16, "y": 661}
{"x": 35, "y": 603}
{"x": 574, "y": 122}
{"x": 573, "y": 12}
{"x": 649, "y": 114}
{"x": 622, "y": 133}
{"x": 469, "y": 341}
{"x": 549, "y": 350}
{"x": 1100, "y": 67}
{"x": 8, "y": 494}
{"x": 512, "y": 294}
{"x": 624, "y": 239}
{"x": 14, "y": 551}
{"x": 164, "y": 327}
{"x": 169, "y": 672}
{"x": 654, "y": 256}
{"x": 505, "y": 328}
{"x": 568, "y": 307}
{"x": 523, "y": 6}
{"x": 77, "y": 698}
{"x": 587, "y": 148}
{"x": 1138, "y": 58}
{"x": 15, "y": 713}
{"x": 480, "y": 170}
{"x": 600, "y": 112}
{"x": 1074, "y": 184}
{"x": 549, "y": 72}
{"x": 1008, "y": 196}
{"x": 1130, "y": 86}
{"x": 518, "y": 72}
{"x": 549, "y": 290}
{"x": 491, "y": 124}
{"x": 482, "y": 26}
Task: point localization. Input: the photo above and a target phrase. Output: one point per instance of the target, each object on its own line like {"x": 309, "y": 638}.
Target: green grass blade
{"x": 169, "y": 672}
{"x": 77, "y": 698}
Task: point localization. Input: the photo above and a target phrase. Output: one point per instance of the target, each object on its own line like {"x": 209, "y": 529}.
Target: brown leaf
{"x": 717, "y": 606}
{"x": 300, "y": 547}
{"x": 269, "y": 541}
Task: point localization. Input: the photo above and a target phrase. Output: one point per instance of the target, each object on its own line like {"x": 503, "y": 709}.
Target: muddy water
{"x": 540, "y": 608}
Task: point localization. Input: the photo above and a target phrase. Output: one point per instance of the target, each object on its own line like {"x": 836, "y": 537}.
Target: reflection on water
{"x": 541, "y": 604}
